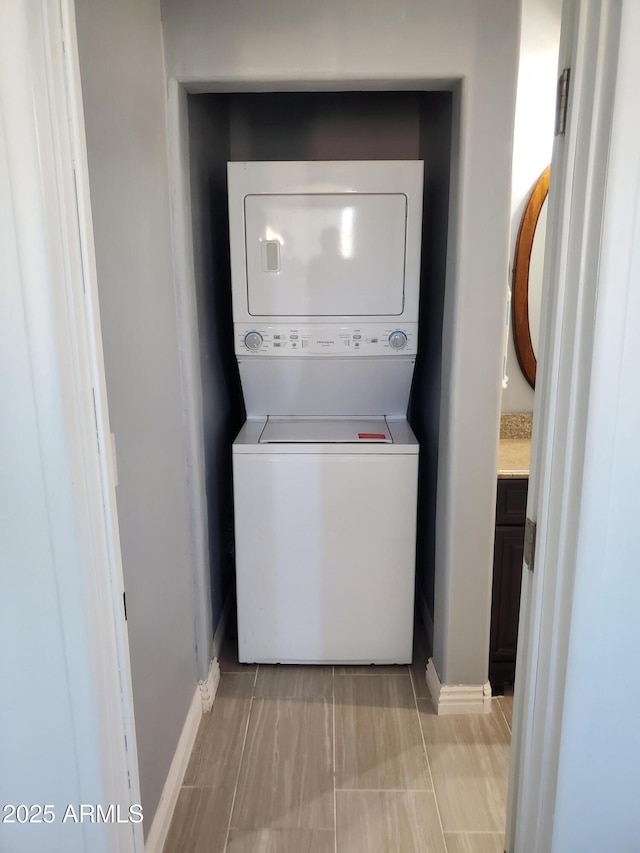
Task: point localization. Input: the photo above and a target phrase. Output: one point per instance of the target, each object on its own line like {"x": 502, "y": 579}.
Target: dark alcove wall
{"x": 311, "y": 126}
{"x": 221, "y": 394}
{"x": 325, "y": 126}
{"x": 424, "y": 408}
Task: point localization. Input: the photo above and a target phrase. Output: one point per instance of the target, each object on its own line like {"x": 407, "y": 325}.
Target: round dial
{"x": 253, "y": 340}
{"x": 397, "y": 340}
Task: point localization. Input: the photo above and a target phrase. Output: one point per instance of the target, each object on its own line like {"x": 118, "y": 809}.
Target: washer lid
{"x": 279, "y": 430}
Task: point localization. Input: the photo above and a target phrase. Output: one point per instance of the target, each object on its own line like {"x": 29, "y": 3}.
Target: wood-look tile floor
{"x": 296, "y": 759}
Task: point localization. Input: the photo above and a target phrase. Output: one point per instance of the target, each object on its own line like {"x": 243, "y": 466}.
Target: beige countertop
{"x": 514, "y": 455}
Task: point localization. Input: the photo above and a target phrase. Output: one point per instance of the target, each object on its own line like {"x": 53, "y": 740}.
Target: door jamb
{"x": 579, "y": 172}
{"x": 49, "y": 98}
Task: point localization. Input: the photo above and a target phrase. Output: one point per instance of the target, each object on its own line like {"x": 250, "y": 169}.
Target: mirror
{"x": 527, "y": 277}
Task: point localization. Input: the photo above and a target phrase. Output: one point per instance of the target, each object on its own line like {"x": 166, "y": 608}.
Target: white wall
{"x": 532, "y": 144}
{"x": 596, "y": 806}
{"x": 122, "y": 71}
{"x": 394, "y": 45}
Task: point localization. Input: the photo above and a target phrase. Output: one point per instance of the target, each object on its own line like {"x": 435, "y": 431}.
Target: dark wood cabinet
{"x": 507, "y": 579}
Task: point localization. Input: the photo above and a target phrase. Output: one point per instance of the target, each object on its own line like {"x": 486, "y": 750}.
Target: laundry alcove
{"x": 345, "y": 125}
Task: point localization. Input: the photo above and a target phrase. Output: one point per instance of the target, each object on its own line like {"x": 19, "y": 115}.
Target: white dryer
{"x": 325, "y": 260}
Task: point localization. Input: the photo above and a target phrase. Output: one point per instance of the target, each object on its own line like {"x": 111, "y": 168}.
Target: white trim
{"x": 202, "y": 703}
{"x": 95, "y": 360}
{"x": 209, "y": 687}
{"x": 589, "y": 45}
{"x": 91, "y": 327}
{"x": 46, "y": 152}
{"x": 162, "y": 819}
{"x": 457, "y": 698}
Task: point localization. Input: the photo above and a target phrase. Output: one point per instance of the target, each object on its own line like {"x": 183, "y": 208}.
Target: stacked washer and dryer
{"x": 325, "y": 268}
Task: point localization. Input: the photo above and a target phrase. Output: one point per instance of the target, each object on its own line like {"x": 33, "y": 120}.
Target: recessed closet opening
{"x": 374, "y": 125}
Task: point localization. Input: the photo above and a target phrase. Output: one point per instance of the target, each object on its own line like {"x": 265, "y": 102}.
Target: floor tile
{"x": 281, "y": 841}
{"x": 372, "y": 669}
{"x": 388, "y": 822}
{"x": 474, "y": 842}
{"x": 286, "y": 778}
{"x": 215, "y": 758}
{"x": 200, "y": 821}
{"x": 228, "y": 658}
{"x": 469, "y": 759}
{"x": 506, "y": 706}
{"x": 378, "y": 739}
{"x": 294, "y": 682}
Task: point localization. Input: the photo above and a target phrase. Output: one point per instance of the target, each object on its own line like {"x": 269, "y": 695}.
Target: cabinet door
{"x": 511, "y": 503}
{"x": 507, "y": 580}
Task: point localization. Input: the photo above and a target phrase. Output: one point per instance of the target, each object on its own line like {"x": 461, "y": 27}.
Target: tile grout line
{"x": 244, "y": 743}
{"x": 474, "y": 832}
{"x": 426, "y": 756}
{"x": 335, "y": 796}
{"x": 385, "y": 790}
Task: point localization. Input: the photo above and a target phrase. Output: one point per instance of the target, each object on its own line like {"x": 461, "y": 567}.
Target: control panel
{"x": 326, "y": 339}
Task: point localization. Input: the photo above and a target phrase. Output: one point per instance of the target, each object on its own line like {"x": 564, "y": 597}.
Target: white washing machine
{"x": 325, "y": 262}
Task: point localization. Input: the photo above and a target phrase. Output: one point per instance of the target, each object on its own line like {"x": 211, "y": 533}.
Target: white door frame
{"x": 588, "y": 46}
{"x": 42, "y": 119}
{"x": 114, "y": 648}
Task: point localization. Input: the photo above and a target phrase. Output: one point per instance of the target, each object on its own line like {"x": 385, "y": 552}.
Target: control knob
{"x": 397, "y": 340}
{"x": 253, "y": 340}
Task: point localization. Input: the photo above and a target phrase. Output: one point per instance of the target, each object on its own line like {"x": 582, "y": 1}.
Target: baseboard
{"x": 457, "y": 698}
{"x": 209, "y": 688}
{"x": 162, "y": 819}
{"x": 201, "y": 703}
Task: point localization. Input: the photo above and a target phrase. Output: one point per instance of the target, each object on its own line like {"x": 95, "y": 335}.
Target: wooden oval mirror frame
{"x": 520, "y": 297}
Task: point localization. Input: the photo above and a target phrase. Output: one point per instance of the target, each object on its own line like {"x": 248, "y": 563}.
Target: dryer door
{"x": 325, "y": 255}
